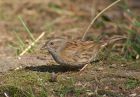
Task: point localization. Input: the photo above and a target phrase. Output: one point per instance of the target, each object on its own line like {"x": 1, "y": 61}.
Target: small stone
{"x": 113, "y": 66}
{"x": 100, "y": 69}
{"x": 138, "y": 56}
{"x": 123, "y": 65}
{"x": 133, "y": 95}
{"x": 20, "y": 67}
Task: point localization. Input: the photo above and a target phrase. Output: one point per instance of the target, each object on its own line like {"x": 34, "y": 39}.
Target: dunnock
{"x": 74, "y": 53}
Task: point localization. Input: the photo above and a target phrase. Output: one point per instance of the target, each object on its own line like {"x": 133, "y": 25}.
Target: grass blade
{"x": 27, "y": 29}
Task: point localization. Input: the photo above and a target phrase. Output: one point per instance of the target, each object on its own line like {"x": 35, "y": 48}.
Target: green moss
{"x": 131, "y": 83}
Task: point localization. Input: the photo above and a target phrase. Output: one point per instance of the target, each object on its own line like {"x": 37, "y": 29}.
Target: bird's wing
{"x": 79, "y": 51}
{"x": 70, "y": 50}
{"x": 88, "y": 51}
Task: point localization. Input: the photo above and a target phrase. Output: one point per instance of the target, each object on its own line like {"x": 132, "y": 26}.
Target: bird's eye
{"x": 51, "y": 43}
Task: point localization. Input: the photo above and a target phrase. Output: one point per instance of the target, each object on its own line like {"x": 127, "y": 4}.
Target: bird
{"x": 77, "y": 53}
{"x": 73, "y": 53}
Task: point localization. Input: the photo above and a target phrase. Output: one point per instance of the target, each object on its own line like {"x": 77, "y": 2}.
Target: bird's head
{"x": 54, "y": 44}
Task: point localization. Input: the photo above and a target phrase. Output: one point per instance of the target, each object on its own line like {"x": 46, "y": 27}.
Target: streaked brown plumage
{"x": 75, "y": 53}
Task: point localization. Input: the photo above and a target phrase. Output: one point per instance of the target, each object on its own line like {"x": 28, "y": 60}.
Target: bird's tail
{"x": 112, "y": 40}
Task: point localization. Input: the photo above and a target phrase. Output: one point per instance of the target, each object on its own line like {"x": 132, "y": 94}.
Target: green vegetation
{"x": 132, "y": 83}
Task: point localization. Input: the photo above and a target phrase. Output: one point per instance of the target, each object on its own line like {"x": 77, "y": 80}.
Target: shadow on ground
{"x": 53, "y": 68}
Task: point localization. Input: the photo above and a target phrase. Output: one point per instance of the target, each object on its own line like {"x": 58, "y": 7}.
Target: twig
{"x": 32, "y": 44}
{"x": 83, "y": 67}
{"x": 6, "y": 95}
{"x": 98, "y": 16}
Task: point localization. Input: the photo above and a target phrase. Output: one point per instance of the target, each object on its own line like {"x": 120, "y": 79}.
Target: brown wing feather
{"x": 79, "y": 51}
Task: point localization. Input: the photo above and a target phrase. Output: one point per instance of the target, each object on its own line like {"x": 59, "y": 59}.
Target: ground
{"x": 114, "y": 76}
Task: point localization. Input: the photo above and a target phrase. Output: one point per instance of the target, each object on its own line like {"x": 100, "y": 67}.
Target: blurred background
{"x": 59, "y": 18}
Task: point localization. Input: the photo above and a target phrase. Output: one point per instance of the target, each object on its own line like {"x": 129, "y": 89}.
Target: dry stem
{"x": 99, "y": 14}
{"x": 32, "y": 44}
